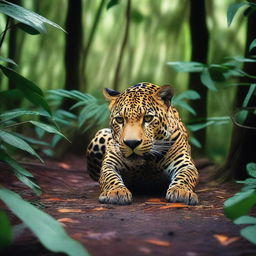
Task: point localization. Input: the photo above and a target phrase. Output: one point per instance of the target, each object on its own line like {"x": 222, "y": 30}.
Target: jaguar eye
{"x": 120, "y": 119}
{"x": 148, "y": 118}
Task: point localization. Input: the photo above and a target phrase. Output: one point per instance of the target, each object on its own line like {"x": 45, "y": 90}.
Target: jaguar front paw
{"x": 176, "y": 194}
{"x": 120, "y": 196}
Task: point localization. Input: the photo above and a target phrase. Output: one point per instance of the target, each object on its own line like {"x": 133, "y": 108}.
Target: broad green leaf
{"x": 7, "y": 60}
{"x": 112, "y": 3}
{"x": 32, "y": 140}
{"x": 251, "y": 169}
{"x": 252, "y": 45}
{"x": 200, "y": 126}
{"x": 15, "y": 141}
{"x": 189, "y": 94}
{"x": 207, "y": 80}
{"x": 28, "y": 29}
{"x": 13, "y": 94}
{"x": 56, "y": 138}
{"x": 195, "y": 142}
{"x": 183, "y": 66}
{"x": 239, "y": 204}
{"x": 232, "y": 10}
{"x": 241, "y": 116}
{"x": 245, "y": 220}
{"x": 48, "y": 128}
{"x": 249, "y": 233}
{"x": 22, "y": 174}
{"x": 31, "y": 91}
{"x": 186, "y": 106}
{"x": 242, "y": 59}
{"x": 249, "y": 95}
{"x": 49, "y": 231}
{"x": 5, "y": 230}
{"x": 25, "y": 16}
{"x": 17, "y": 113}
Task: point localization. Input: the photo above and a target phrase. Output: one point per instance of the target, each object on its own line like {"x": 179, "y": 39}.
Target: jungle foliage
{"x": 117, "y": 44}
{"x": 49, "y": 231}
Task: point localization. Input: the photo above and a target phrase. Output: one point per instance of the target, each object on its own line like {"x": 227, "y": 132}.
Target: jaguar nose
{"x": 132, "y": 143}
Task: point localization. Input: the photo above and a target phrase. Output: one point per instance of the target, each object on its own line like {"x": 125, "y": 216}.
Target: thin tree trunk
{"x": 123, "y": 46}
{"x": 242, "y": 148}
{"x": 90, "y": 41}
{"x": 199, "y": 42}
{"x": 73, "y": 48}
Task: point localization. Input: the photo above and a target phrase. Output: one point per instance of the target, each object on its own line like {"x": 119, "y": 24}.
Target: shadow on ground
{"x": 149, "y": 226}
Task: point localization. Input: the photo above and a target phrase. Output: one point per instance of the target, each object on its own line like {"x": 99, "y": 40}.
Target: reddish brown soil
{"x": 149, "y": 226}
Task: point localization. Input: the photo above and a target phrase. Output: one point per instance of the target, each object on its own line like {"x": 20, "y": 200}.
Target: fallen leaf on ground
{"x": 99, "y": 209}
{"x": 64, "y": 165}
{"x": 69, "y": 220}
{"x": 158, "y": 242}
{"x": 69, "y": 210}
{"x": 155, "y": 200}
{"x": 225, "y": 240}
{"x": 77, "y": 235}
{"x": 53, "y": 199}
{"x": 174, "y": 205}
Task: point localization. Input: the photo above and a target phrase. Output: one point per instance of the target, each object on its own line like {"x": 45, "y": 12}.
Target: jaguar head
{"x": 139, "y": 118}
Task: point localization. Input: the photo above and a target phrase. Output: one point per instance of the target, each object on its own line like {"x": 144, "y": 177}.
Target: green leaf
{"x": 232, "y": 10}
{"x": 241, "y": 59}
{"x": 186, "y": 106}
{"x": 249, "y": 95}
{"x": 49, "y": 231}
{"x": 17, "y": 113}
{"x": 252, "y": 45}
{"x": 239, "y": 204}
{"x": 48, "y": 128}
{"x": 28, "y": 29}
{"x": 184, "y": 66}
{"x": 15, "y": 141}
{"x": 22, "y": 174}
{"x": 199, "y": 126}
{"x": 207, "y": 80}
{"x": 245, "y": 220}
{"x": 251, "y": 169}
{"x": 32, "y": 140}
{"x": 112, "y": 3}
{"x": 13, "y": 94}
{"x": 189, "y": 94}
{"x": 241, "y": 116}
{"x": 7, "y": 60}
{"x": 27, "y": 17}
{"x": 31, "y": 91}
{"x": 5, "y": 231}
{"x": 195, "y": 142}
{"x": 249, "y": 233}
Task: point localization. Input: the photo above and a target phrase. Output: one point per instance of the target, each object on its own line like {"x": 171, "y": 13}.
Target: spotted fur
{"x": 146, "y": 148}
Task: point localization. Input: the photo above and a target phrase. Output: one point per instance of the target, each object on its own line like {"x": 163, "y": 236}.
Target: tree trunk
{"x": 242, "y": 148}
{"x": 199, "y": 42}
{"x": 73, "y": 48}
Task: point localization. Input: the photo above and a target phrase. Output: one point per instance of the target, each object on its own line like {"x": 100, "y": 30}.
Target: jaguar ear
{"x": 166, "y": 93}
{"x": 110, "y": 95}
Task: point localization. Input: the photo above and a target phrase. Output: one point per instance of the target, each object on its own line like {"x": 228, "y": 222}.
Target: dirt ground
{"x": 149, "y": 226}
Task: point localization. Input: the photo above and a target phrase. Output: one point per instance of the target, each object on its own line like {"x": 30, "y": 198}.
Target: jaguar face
{"x": 139, "y": 118}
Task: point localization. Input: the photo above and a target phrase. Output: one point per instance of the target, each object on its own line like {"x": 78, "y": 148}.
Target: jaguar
{"x": 145, "y": 149}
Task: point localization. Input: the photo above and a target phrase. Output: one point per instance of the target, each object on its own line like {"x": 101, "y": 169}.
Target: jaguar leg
{"x": 112, "y": 186}
{"x": 182, "y": 174}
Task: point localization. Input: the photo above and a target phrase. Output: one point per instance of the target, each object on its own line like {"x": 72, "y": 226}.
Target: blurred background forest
{"x": 128, "y": 43}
